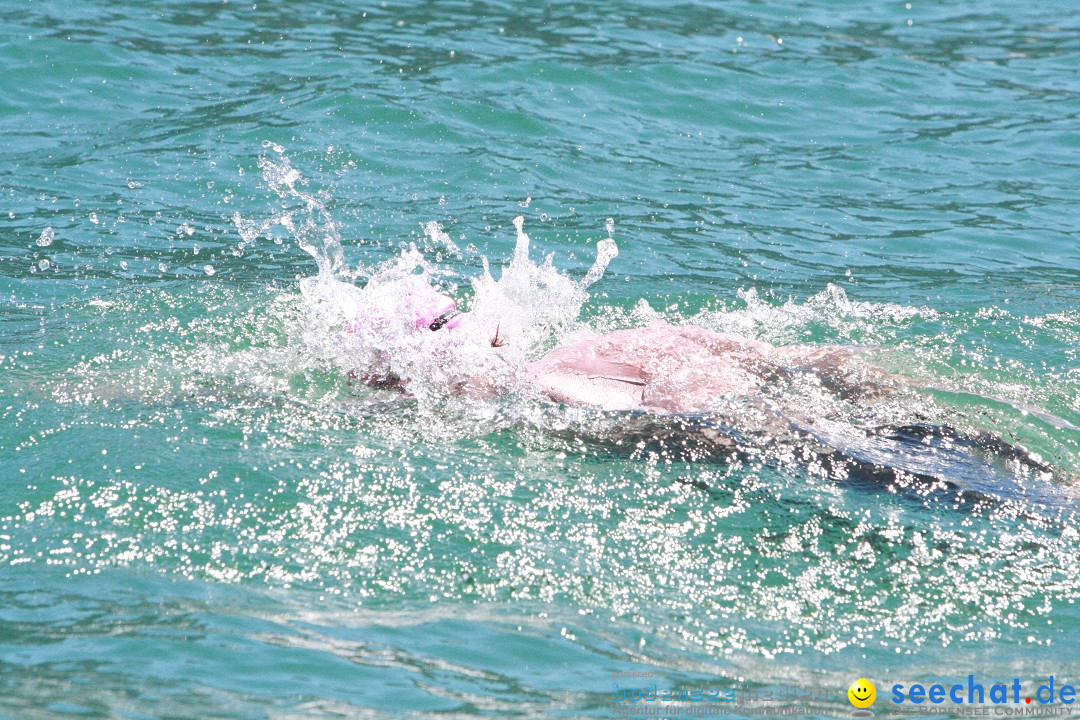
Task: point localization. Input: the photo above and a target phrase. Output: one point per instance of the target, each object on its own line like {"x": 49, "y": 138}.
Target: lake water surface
{"x": 201, "y": 517}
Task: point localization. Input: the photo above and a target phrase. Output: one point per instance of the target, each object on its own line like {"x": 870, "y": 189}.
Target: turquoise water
{"x": 201, "y": 516}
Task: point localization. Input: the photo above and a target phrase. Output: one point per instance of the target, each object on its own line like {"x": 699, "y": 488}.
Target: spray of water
{"x": 363, "y": 321}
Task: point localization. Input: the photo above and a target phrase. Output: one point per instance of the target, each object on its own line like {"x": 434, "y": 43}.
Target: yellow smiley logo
{"x": 862, "y": 693}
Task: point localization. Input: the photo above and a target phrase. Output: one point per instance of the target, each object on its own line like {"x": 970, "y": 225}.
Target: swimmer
{"x": 666, "y": 381}
{"x": 659, "y": 368}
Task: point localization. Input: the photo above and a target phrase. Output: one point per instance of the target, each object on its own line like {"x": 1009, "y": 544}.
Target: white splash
{"x": 370, "y": 329}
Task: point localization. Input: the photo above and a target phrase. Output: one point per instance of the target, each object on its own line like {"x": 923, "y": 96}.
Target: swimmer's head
{"x": 414, "y": 304}
{"x": 436, "y": 311}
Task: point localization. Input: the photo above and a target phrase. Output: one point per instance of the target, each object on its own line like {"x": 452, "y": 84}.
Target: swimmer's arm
{"x": 839, "y": 368}
{"x": 497, "y": 377}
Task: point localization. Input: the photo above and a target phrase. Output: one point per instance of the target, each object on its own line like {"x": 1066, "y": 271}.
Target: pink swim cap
{"x": 436, "y": 311}
{"x": 429, "y": 310}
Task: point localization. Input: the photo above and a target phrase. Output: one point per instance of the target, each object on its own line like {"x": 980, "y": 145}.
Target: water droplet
{"x": 47, "y": 237}
{"x": 94, "y": 218}
{"x": 43, "y": 264}
{"x": 123, "y": 265}
{"x": 209, "y": 270}
{"x": 162, "y": 267}
{"x": 609, "y": 225}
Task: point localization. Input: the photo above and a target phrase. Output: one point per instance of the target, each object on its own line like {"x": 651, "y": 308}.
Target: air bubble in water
{"x": 43, "y": 264}
{"x": 47, "y": 237}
